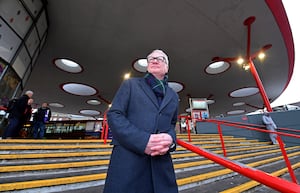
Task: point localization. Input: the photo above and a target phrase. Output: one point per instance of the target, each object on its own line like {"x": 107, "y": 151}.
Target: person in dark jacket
{"x": 25, "y": 119}
{"x": 142, "y": 119}
{"x": 17, "y": 115}
{"x": 41, "y": 117}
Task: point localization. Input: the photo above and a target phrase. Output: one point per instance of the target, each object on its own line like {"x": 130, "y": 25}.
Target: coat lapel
{"x": 167, "y": 98}
{"x": 149, "y": 92}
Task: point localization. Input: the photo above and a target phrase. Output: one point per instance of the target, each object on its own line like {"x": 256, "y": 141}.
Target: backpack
{"x": 11, "y": 105}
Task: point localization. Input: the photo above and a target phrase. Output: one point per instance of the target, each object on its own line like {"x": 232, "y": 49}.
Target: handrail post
{"x": 222, "y": 140}
{"x": 188, "y": 129}
{"x": 104, "y": 133}
{"x": 287, "y": 161}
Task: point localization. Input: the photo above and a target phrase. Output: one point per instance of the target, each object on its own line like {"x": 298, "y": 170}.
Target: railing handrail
{"x": 248, "y": 126}
{"x": 243, "y": 126}
{"x": 253, "y": 125}
{"x": 260, "y": 176}
{"x": 279, "y": 140}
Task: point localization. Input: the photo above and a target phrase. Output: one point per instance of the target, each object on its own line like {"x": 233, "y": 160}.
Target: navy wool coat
{"x": 135, "y": 115}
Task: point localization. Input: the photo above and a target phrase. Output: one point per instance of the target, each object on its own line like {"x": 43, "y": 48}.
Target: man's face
{"x": 157, "y": 64}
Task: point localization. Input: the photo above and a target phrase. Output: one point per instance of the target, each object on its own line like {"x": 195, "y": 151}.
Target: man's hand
{"x": 158, "y": 144}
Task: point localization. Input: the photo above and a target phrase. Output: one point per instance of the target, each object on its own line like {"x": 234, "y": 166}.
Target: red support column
{"x": 248, "y": 22}
{"x": 260, "y": 86}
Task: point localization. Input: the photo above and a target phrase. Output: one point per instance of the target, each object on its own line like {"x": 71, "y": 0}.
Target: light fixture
{"x": 249, "y": 63}
{"x": 217, "y": 67}
{"x": 261, "y": 55}
{"x": 67, "y": 65}
{"x": 238, "y": 104}
{"x": 244, "y": 92}
{"x": 240, "y": 61}
{"x": 79, "y": 89}
{"x": 235, "y": 112}
{"x": 58, "y": 105}
{"x": 127, "y": 76}
{"x": 89, "y": 112}
{"x": 93, "y": 102}
{"x": 140, "y": 65}
{"x": 246, "y": 67}
{"x": 209, "y": 101}
{"x": 177, "y": 87}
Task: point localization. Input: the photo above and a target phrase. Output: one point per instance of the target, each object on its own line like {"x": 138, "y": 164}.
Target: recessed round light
{"x": 140, "y": 65}
{"x": 79, "y": 89}
{"x": 238, "y": 104}
{"x": 56, "y": 105}
{"x": 217, "y": 67}
{"x": 188, "y": 110}
{"x": 209, "y": 101}
{"x": 244, "y": 92}
{"x": 93, "y": 102}
{"x": 177, "y": 87}
{"x": 89, "y": 112}
{"x": 68, "y": 65}
{"x": 235, "y": 112}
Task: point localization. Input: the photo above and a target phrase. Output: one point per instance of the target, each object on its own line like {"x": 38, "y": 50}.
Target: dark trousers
{"x": 38, "y": 130}
{"x": 12, "y": 129}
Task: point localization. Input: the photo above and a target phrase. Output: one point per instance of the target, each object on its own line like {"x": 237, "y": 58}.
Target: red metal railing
{"x": 244, "y": 126}
{"x": 271, "y": 181}
{"x": 3, "y": 108}
{"x": 255, "y": 174}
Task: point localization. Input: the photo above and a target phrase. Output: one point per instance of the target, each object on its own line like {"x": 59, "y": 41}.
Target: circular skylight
{"x": 217, "y": 67}
{"x": 58, "y": 105}
{"x": 244, "y": 92}
{"x": 177, "y": 87}
{"x": 140, "y": 65}
{"x": 79, "y": 89}
{"x": 235, "y": 112}
{"x": 188, "y": 110}
{"x": 89, "y": 112}
{"x": 209, "y": 101}
{"x": 93, "y": 102}
{"x": 238, "y": 104}
{"x": 68, "y": 65}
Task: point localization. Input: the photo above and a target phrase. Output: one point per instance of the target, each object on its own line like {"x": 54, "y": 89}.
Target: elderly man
{"x": 142, "y": 120}
{"x": 17, "y": 116}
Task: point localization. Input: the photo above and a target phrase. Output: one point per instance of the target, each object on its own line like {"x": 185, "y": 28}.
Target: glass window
{"x": 8, "y": 85}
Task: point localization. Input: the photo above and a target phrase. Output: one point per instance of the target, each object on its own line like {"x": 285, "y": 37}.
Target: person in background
{"x": 270, "y": 125}
{"x": 17, "y": 115}
{"x": 41, "y": 117}
{"x": 142, "y": 119}
{"x": 25, "y": 118}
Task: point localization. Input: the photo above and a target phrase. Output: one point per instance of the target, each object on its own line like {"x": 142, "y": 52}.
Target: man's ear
{"x": 167, "y": 69}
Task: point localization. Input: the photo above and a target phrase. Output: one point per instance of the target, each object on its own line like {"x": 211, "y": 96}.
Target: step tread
{"x": 190, "y": 168}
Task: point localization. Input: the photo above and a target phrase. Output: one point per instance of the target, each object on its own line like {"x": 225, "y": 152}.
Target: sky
{"x": 291, "y": 94}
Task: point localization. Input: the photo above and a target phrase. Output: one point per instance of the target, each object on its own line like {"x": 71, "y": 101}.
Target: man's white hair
{"x": 29, "y": 92}
{"x": 162, "y": 53}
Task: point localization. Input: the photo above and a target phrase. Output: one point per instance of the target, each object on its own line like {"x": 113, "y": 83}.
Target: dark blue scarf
{"x": 159, "y": 87}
